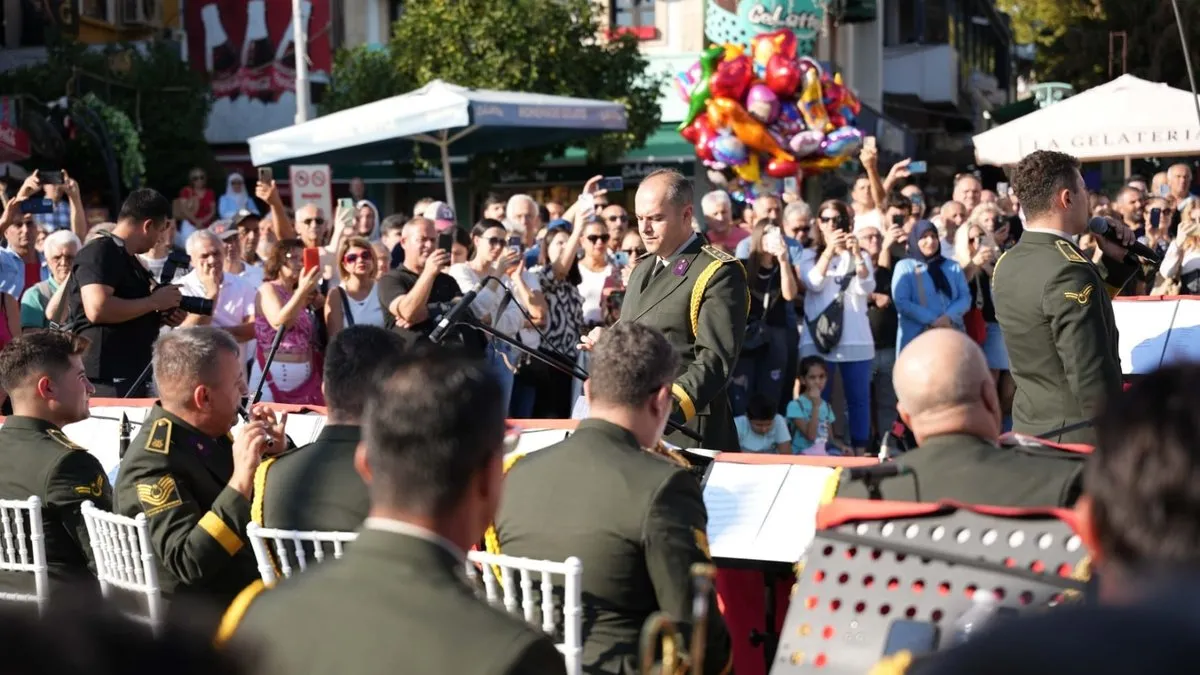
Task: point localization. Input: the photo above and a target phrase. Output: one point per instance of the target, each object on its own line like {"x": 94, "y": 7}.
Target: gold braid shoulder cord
{"x": 491, "y": 540}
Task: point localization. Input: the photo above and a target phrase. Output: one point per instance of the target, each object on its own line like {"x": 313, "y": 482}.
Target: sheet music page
{"x": 539, "y": 439}
{"x": 791, "y": 525}
{"x": 101, "y": 438}
{"x": 304, "y": 429}
{"x": 1143, "y": 327}
{"x": 1183, "y": 344}
{"x": 738, "y": 498}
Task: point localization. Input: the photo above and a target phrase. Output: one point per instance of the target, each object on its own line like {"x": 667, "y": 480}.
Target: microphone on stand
{"x": 123, "y": 432}
{"x": 455, "y": 313}
{"x": 872, "y": 476}
{"x": 244, "y": 410}
{"x": 1100, "y": 226}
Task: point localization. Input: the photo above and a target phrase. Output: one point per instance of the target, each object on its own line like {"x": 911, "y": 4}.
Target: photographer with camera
{"x": 211, "y": 297}
{"x": 114, "y": 302}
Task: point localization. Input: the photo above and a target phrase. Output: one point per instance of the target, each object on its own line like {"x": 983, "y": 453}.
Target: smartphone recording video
{"x": 446, "y": 241}
{"x": 312, "y": 258}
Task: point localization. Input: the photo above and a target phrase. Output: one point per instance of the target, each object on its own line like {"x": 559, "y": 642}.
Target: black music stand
{"x": 864, "y": 573}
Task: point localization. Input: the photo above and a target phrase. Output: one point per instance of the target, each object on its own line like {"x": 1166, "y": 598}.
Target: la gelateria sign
{"x": 1116, "y": 143}
{"x": 738, "y": 21}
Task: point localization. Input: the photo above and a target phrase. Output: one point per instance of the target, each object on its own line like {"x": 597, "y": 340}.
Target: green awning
{"x": 1007, "y": 113}
{"x": 665, "y": 144}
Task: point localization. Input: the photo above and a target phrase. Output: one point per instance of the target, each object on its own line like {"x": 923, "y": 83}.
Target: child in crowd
{"x": 762, "y": 429}
{"x": 811, "y": 435}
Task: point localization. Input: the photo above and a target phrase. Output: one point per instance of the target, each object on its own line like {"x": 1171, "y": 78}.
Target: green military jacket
{"x": 314, "y": 487}
{"x": 635, "y": 519}
{"x": 699, "y": 301}
{"x": 396, "y": 603}
{"x": 178, "y": 477}
{"x": 38, "y": 460}
{"x": 971, "y": 470}
{"x": 1055, "y": 311}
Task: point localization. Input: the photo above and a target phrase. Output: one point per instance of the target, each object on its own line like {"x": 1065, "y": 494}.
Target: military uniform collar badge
{"x": 681, "y": 267}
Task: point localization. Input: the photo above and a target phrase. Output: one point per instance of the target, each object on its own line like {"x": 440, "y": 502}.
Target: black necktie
{"x": 659, "y": 266}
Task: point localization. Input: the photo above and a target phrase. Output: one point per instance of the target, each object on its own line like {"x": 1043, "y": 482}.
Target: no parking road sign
{"x": 312, "y": 183}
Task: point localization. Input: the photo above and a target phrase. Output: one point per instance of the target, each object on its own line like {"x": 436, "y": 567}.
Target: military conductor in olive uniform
{"x": 399, "y": 601}
{"x": 44, "y": 376}
{"x": 1053, "y": 304}
{"x": 636, "y": 519}
{"x": 188, "y": 476}
{"x": 697, "y": 296}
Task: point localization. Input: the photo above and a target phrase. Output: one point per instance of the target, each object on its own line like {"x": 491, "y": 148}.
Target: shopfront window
{"x": 632, "y": 13}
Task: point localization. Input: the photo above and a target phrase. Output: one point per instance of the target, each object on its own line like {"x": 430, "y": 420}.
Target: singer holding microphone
{"x": 1054, "y": 305}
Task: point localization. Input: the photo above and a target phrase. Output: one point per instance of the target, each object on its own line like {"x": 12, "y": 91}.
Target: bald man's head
{"x": 943, "y": 386}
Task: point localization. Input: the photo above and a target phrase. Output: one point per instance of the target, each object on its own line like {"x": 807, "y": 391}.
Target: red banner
{"x": 14, "y": 144}
{"x": 246, "y": 48}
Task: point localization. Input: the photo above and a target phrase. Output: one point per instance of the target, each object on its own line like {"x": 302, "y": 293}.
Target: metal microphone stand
{"x": 572, "y": 370}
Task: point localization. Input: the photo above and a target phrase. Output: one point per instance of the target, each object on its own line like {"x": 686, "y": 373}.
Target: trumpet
{"x": 661, "y": 630}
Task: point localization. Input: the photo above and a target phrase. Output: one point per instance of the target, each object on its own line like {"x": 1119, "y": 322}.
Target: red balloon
{"x": 782, "y": 168}
{"x": 704, "y": 139}
{"x": 782, "y": 76}
{"x": 732, "y": 78}
{"x": 692, "y": 132}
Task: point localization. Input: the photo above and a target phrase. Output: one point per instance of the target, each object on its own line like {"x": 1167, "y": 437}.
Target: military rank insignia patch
{"x": 1082, "y": 297}
{"x": 1069, "y": 252}
{"x": 94, "y": 489}
{"x": 159, "y": 496}
{"x": 64, "y": 439}
{"x": 702, "y": 542}
{"x": 160, "y": 436}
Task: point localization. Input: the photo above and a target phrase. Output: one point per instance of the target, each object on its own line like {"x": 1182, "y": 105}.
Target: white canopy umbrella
{"x": 1128, "y": 117}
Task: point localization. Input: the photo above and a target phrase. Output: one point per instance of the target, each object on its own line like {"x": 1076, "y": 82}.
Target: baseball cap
{"x": 441, "y": 214}
{"x": 559, "y": 224}
{"x": 239, "y": 217}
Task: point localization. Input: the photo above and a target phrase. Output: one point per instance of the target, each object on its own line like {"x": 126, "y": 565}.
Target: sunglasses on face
{"x": 594, "y": 238}
{"x": 494, "y": 241}
{"x": 314, "y": 221}
{"x": 830, "y": 219}
{"x": 635, "y": 252}
{"x": 617, "y": 219}
{"x": 351, "y": 258}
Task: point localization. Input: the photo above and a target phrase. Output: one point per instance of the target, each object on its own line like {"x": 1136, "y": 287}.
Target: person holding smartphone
{"x": 289, "y": 289}
{"x": 417, "y": 293}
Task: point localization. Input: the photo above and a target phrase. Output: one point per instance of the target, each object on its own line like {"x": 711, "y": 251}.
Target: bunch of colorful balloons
{"x": 766, "y": 114}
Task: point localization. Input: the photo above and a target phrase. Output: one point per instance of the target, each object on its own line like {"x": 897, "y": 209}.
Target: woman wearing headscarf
{"x": 366, "y": 220}
{"x": 235, "y": 198}
{"x": 928, "y": 290}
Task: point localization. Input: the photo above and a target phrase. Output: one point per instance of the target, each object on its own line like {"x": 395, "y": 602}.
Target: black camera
{"x": 194, "y": 305}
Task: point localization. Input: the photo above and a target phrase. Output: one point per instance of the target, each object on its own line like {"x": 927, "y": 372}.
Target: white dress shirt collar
{"x": 667, "y": 260}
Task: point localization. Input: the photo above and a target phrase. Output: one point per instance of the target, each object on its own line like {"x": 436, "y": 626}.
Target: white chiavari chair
{"x": 125, "y": 559}
{"x": 276, "y": 557}
{"x": 24, "y": 548}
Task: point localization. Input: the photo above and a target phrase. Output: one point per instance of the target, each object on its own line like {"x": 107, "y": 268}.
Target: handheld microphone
{"x": 1098, "y": 225}
{"x": 455, "y": 313}
{"x": 877, "y": 472}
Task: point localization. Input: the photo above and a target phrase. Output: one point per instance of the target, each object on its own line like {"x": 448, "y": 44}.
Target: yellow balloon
{"x": 733, "y": 51}
{"x": 749, "y": 171}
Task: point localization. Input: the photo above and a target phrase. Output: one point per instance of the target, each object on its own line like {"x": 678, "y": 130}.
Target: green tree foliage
{"x": 540, "y": 46}
{"x": 166, "y": 101}
{"x": 1076, "y": 48}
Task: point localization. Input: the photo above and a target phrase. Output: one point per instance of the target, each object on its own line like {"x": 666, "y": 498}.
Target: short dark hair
{"x": 493, "y": 199}
{"x": 631, "y": 362}
{"x": 429, "y": 427}
{"x": 808, "y": 362}
{"x": 898, "y": 200}
{"x": 1039, "y": 176}
{"x": 43, "y": 351}
{"x": 1144, "y": 476}
{"x": 679, "y": 188}
{"x": 355, "y": 360}
{"x": 761, "y": 409}
{"x": 145, "y": 204}
{"x": 393, "y": 223}
{"x": 278, "y": 257}
{"x": 1136, "y": 178}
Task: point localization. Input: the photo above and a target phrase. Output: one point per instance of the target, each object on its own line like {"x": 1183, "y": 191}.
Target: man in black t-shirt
{"x": 113, "y": 301}
{"x": 418, "y": 293}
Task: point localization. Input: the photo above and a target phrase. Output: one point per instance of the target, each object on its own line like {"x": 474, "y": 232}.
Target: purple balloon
{"x": 842, "y": 142}
{"x": 727, "y": 149}
{"x": 762, "y": 103}
{"x": 685, "y": 81}
{"x": 806, "y": 142}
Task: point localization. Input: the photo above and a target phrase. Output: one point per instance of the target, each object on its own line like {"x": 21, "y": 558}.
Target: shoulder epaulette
{"x": 64, "y": 439}
{"x": 1069, "y": 252}
{"x": 718, "y": 254}
{"x": 159, "y": 439}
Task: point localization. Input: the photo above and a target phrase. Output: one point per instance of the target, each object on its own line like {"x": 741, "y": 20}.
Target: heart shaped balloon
{"x": 762, "y": 103}
{"x": 782, "y": 168}
{"x": 766, "y": 45}
{"x": 706, "y": 137}
{"x": 692, "y": 131}
{"x": 806, "y": 142}
{"x": 782, "y": 76}
{"x": 732, "y": 78}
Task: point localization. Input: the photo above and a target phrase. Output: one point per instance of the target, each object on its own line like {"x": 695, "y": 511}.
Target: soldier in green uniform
{"x": 1054, "y": 306}
{"x": 696, "y": 295}
{"x": 637, "y": 520}
{"x": 947, "y": 396}
{"x": 44, "y": 376}
{"x": 185, "y": 472}
{"x": 400, "y": 601}
{"x": 315, "y": 487}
